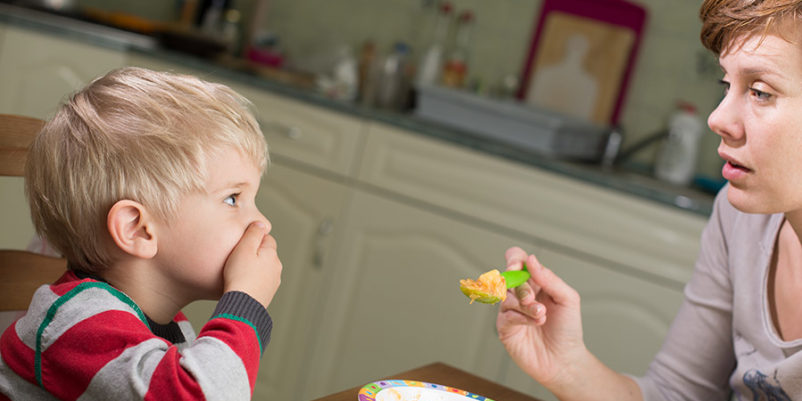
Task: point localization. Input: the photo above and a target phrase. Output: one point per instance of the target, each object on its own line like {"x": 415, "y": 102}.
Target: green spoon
{"x": 515, "y": 278}
{"x": 512, "y": 279}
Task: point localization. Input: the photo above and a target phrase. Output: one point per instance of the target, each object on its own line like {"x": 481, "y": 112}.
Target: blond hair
{"x": 725, "y": 20}
{"x": 131, "y": 134}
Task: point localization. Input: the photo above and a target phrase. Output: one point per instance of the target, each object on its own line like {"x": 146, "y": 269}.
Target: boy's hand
{"x": 253, "y": 267}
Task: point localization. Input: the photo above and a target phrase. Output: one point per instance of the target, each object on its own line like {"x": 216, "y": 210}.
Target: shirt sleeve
{"x": 697, "y": 357}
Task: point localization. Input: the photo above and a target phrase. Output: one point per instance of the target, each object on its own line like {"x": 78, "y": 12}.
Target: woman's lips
{"x": 732, "y": 171}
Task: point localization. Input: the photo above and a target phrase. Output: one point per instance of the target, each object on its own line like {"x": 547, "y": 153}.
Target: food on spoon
{"x": 489, "y": 288}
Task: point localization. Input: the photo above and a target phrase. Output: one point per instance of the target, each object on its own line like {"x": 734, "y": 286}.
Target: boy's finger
{"x": 253, "y": 236}
{"x": 268, "y": 242}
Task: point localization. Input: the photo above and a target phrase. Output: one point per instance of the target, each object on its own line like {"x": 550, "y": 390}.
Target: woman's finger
{"x": 515, "y": 257}
{"x": 553, "y": 286}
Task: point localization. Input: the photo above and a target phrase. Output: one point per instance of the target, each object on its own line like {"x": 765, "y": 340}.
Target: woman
{"x": 740, "y": 326}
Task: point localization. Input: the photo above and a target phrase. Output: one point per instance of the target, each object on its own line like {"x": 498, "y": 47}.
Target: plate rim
{"x": 369, "y": 391}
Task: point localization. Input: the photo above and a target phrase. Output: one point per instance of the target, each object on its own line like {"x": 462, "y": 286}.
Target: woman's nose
{"x": 725, "y": 120}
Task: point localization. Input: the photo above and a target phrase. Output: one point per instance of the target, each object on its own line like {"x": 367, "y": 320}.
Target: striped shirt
{"x": 82, "y": 339}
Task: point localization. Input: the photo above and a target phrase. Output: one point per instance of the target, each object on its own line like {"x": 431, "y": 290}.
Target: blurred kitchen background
{"x": 334, "y": 40}
{"x": 412, "y": 142}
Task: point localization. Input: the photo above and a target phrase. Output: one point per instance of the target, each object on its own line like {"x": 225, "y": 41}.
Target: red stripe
{"x": 17, "y": 355}
{"x": 180, "y": 317}
{"x": 171, "y": 382}
{"x": 233, "y": 332}
{"x": 66, "y": 282}
{"x": 70, "y": 362}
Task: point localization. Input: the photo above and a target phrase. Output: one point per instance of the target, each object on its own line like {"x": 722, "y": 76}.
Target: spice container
{"x": 456, "y": 65}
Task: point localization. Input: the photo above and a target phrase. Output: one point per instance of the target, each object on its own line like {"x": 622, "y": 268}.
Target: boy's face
{"x": 193, "y": 247}
{"x": 760, "y": 123}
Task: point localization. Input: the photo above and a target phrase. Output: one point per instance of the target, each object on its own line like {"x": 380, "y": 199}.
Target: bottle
{"x": 431, "y": 63}
{"x": 676, "y": 159}
{"x": 346, "y": 75}
{"x": 366, "y": 73}
{"x": 231, "y": 31}
{"x": 456, "y": 65}
{"x": 211, "y": 17}
{"x": 393, "y": 85}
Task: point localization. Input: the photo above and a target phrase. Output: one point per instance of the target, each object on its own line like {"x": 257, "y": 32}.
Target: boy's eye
{"x": 231, "y": 200}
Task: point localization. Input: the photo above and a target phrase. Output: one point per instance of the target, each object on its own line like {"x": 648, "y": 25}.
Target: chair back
{"x": 21, "y": 272}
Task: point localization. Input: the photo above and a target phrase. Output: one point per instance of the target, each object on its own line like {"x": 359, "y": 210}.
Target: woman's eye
{"x": 725, "y": 84}
{"x": 231, "y": 200}
{"x": 760, "y": 95}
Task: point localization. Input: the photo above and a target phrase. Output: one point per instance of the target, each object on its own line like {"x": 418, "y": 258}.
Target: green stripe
{"x": 51, "y": 313}
{"x": 243, "y": 320}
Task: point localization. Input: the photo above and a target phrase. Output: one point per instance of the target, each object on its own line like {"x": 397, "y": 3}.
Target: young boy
{"x": 145, "y": 182}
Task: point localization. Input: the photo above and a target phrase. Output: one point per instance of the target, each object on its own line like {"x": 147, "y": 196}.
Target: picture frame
{"x": 581, "y": 57}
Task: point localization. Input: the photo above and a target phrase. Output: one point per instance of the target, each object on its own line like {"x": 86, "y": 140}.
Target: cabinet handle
{"x": 325, "y": 228}
{"x": 289, "y": 131}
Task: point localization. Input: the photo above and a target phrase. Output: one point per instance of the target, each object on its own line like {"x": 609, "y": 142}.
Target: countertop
{"x": 620, "y": 179}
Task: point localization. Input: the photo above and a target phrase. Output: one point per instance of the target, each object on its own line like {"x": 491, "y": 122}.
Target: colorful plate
{"x": 410, "y": 390}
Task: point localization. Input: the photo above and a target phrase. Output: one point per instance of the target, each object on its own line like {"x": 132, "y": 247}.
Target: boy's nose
{"x": 260, "y": 217}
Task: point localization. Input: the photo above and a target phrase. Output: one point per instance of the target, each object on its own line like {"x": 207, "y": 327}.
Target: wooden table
{"x": 441, "y": 373}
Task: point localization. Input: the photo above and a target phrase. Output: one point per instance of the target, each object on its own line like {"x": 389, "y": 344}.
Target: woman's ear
{"x": 132, "y": 229}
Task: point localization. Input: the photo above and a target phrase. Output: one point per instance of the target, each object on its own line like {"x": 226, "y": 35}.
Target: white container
{"x": 432, "y": 61}
{"x": 676, "y": 160}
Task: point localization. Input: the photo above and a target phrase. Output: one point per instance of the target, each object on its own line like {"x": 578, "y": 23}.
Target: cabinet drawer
{"x": 308, "y": 134}
{"x": 582, "y": 219}
{"x": 295, "y": 130}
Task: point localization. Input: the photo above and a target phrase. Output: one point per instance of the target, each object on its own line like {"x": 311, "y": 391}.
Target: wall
{"x": 672, "y": 64}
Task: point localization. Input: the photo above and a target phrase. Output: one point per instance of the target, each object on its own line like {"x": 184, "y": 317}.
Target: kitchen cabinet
{"x": 392, "y": 299}
{"x": 637, "y": 236}
{"x": 307, "y": 135}
{"x": 38, "y": 70}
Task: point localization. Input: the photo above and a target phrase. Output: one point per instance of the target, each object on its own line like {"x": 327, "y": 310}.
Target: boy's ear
{"x": 132, "y": 229}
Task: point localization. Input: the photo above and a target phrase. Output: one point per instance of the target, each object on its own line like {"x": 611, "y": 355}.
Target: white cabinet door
{"x": 393, "y": 300}
{"x": 303, "y": 210}
{"x": 38, "y": 70}
{"x": 624, "y": 318}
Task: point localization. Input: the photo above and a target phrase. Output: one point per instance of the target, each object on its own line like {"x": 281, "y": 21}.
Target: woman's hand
{"x": 540, "y": 324}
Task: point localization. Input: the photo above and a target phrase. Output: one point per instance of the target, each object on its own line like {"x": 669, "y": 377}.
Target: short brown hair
{"x": 131, "y": 134}
{"x": 725, "y": 20}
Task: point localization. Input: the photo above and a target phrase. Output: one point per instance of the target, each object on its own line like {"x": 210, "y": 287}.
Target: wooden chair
{"x": 21, "y": 272}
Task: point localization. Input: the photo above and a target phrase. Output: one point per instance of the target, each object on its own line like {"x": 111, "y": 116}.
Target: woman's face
{"x": 760, "y": 124}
